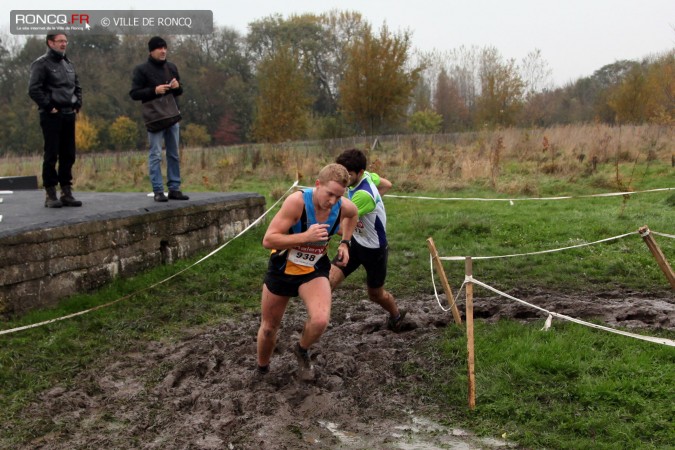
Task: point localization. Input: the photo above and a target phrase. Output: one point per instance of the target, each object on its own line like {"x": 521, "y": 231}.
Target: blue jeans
{"x": 170, "y": 137}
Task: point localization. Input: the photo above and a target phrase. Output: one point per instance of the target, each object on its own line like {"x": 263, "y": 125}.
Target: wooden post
{"x": 444, "y": 281}
{"x": 469, "y": 335}
{"x": 658, "y": 254}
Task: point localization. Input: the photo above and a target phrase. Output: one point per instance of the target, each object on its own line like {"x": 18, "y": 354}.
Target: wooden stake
{"x": 469, "y": 334}
{"x": 444, "y": 281}
{"x": 658, "y": 254}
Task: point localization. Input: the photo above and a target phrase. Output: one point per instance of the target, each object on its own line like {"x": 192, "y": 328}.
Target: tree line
{"x": 325, "y": 76}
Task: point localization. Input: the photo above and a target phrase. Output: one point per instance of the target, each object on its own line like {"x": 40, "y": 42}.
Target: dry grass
{"x": 427, "y": 162}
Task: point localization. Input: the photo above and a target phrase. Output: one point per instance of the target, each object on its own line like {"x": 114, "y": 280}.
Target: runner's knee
{"x": 268, "y": 330}
{"x": 379, "y": 295}
{"x": 319, "y": 323}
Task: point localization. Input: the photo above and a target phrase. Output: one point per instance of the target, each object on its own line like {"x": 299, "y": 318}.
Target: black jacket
{"x": 53, "y": 83}
{"x": 149, "y": 75}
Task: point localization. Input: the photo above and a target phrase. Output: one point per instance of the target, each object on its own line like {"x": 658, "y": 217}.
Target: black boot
{"x": 67, "y": 198}
{"x": 51, "y": 201}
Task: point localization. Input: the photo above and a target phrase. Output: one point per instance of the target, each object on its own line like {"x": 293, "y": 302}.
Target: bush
{"x": 195, "y": 135}
{"x": 123, "y": 133}
{"x": 86, "y": 134}
{"x": 425, "y": 122}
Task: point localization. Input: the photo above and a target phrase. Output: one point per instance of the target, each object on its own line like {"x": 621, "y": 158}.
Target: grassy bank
{"x": 571, "y": 388}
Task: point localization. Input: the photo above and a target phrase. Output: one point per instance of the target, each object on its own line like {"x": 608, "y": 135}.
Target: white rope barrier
{"x": 511, "y": 200}
{"x": 551, "y": 314}
{"x": 461, "y": 258}
{"x": 433, "y": 282}
{"x": 656, "y": 340}
{"x": 69, "y": 316}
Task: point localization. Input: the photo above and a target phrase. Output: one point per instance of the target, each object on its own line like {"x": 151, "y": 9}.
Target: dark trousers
{"x": 58, "y": 131}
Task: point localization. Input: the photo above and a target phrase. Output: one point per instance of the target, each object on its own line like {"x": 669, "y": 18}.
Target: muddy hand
{"x": 340, "y": 259}
{"x": 317, "y": 232}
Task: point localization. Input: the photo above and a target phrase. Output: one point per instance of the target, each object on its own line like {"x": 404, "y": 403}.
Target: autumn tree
{"x": 645, "y": 93}
{"x": 341, "y": 29}
{"x": 501, "y": 90}
{"x": 378, "y": 83}
{"x": 603, "y": 83}
{"x": 662, "y": 75}
{"x": 217, "y": 73}
{"x": 5, "y": 71}
{"x": 632, "y": 98}
{"x": 20, "y": 132}
{"x": 461, "y": 65}
{"x": 449, "y": 104}
{"x": 320, "y": 43}
{"x": 306, "y": 38}
{"x": 282, "y": 102}
{"x": 228, "y": 131}
{"x": 421, "y": 97}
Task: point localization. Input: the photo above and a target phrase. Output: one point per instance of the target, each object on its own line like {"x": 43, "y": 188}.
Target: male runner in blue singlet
{"x": 298, "y": 237}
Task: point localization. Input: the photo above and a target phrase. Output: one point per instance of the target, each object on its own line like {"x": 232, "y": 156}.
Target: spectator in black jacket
{"x": 152, "y": 79}
{"x": 55, "y": 88}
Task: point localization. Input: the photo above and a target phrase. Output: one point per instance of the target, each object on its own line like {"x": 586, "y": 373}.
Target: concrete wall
{"x": 38, "y": 267}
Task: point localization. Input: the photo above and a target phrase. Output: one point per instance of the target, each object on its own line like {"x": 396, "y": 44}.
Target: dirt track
{"x": 199, "y": 394}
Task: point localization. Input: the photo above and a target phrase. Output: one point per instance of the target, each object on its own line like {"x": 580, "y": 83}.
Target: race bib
{"x": 306, "y": 255}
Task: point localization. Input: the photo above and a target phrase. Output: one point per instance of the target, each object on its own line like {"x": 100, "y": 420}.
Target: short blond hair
{"x": 334, "y": 172}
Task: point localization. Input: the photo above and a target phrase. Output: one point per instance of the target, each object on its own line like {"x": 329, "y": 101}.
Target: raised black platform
{"x": 18, "y": 183}
{"x": 49, "y": 253}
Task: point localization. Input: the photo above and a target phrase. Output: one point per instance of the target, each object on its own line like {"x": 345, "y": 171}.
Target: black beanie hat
{"x": 156, "y": 42}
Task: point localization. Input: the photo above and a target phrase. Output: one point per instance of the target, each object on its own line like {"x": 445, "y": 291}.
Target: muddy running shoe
{"x": 260, "y": 374}
{"x": 395, "y": 324}
{"x": 305, "y": 367}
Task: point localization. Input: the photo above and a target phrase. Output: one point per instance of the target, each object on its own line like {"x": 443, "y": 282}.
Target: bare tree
{"x": 535, "y": 73}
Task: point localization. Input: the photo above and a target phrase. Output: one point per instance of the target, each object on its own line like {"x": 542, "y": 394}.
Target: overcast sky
{"x": 576, "y": 37}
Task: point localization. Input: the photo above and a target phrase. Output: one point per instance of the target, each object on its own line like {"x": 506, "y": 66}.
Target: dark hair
{"x": 353, "y": 159}
{"x": 52, "y": 36}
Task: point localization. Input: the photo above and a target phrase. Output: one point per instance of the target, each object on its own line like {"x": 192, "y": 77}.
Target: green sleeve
{"x": 375, "y": 178}
{"x": 364, "y": 202}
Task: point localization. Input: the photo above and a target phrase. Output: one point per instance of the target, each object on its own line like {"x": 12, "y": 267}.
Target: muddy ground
{"x": 198, "y": 393}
